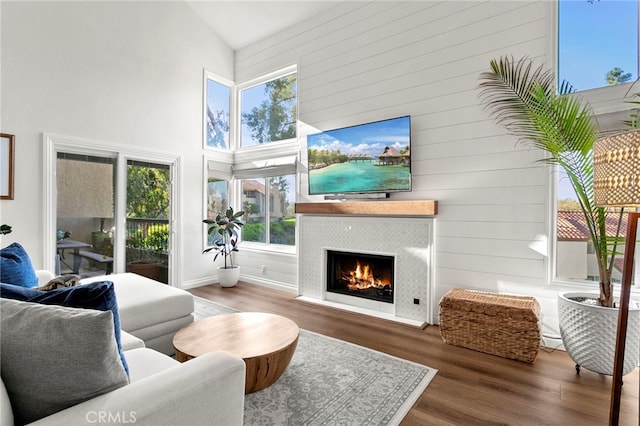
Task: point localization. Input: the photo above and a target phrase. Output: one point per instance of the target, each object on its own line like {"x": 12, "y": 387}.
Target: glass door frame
{"x": 52, "y": 144}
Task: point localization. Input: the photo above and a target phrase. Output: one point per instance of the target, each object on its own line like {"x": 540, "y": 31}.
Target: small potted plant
{"x": 226, "y": 227}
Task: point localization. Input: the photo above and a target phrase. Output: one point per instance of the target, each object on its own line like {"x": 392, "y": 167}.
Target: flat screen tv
{"x": 362, "y": 159}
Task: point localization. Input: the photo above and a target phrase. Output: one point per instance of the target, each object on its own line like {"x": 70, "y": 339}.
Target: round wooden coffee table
{"x": 265, "y": 342}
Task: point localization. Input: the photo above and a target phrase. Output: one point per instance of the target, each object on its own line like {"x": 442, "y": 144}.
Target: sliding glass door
{"x": 109, "y": 211}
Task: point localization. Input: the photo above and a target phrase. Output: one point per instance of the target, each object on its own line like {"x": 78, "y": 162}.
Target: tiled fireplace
{"x": 394, "y": 253}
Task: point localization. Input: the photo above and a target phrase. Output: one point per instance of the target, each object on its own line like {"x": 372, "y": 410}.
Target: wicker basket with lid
{"x": 498, "y": 324}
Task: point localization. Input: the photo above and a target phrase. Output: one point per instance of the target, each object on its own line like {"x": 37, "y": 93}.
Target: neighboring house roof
{"x": 573, "y": 227}
{"x": 252, "y": 185}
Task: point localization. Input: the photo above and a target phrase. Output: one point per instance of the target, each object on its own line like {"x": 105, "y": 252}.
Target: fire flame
{"x": 362, "y": 278}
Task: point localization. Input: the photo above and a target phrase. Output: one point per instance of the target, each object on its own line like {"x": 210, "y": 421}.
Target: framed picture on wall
{"x": 6, "y": 166}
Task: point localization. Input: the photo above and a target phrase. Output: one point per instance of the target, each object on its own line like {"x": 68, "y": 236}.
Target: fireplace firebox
{"x": 369, "y": 276}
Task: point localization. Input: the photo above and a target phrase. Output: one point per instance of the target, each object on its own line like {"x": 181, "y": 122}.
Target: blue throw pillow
{"x": 99, "y": 295}
{"x": 16, "y": 267}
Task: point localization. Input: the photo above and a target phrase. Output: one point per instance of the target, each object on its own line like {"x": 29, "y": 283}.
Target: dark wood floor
{"x": 470, "y": 388}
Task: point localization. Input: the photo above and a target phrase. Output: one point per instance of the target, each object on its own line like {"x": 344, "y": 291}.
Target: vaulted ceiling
{"x": 240, "y": 23}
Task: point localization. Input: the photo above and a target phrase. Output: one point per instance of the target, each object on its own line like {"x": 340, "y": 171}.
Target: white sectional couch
{"x": 208, "y": 390}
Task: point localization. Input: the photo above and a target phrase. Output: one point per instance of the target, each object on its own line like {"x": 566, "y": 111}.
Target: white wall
{"x": 364, "y": 61}
{"x": 126, "y": 73}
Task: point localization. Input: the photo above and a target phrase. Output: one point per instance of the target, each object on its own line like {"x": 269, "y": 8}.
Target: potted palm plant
{"x": 524, "y": 99}
{"x": 225, "y": 227}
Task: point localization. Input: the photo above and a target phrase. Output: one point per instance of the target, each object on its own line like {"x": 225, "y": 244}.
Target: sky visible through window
{"x": 251, "y": 98}
{"x": 218, "y": 106}
{"x": 594, "y": 38}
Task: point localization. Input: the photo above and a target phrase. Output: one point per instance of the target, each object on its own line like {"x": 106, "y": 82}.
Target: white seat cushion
{"x": 143, "y": 302}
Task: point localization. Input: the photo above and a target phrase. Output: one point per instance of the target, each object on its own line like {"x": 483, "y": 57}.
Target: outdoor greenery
{"x": 147, "y": 198}
{"x": 281, "y": 232}
{"x": 150, "y": 247}
{"x": 148, "y": 192}
{"x": 275, "y": 118}
{"x": 217, "y": 127}
{"x": 617, "y": 76}
{"x": 156, "y": 238}
{"x": 524, "y": 100}
{"x": 253, "y": 231}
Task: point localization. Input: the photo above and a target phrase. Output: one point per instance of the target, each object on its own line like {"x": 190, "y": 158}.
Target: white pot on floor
{"x": 229, "y": 276}
{"x": 589, "y": 334}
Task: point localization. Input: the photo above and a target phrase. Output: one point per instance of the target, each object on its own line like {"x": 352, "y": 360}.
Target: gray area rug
{"x": 332, "y": 382}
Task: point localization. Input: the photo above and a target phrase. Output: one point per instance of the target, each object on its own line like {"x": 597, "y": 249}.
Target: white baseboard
{"x": 269, "y": 283}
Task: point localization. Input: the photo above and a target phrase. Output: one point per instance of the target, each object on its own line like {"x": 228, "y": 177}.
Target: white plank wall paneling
{"x": 361, "y": 62}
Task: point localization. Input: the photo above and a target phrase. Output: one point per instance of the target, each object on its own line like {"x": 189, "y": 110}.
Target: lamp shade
{"x": 616, "y": 171}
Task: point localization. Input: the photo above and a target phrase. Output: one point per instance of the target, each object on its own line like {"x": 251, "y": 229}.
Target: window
{"x": 216, "y": 113}
{"x": 597, "y": 48}
{"x": 260, "y": 180}
{"x": 217, "y": 203}
{"x": 269, "y": 201}
{"x": 597, "y": 42}
{"x": 269, "y": 111}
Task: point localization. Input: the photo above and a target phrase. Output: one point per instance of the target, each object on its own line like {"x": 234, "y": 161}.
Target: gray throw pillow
{"x": 54, "y": 357}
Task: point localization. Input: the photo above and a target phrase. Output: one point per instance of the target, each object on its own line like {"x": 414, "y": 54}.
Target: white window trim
{"x": 603, "y": 100}
{"x": 208, "y": 75}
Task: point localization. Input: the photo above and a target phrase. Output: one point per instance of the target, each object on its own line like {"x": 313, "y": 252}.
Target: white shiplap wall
{"x": 362, "y": 61}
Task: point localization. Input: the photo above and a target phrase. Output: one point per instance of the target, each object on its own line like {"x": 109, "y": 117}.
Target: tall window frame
{"x": 241, "y": 107}
{"x": 264, "y": 161}
{"x": 216, "y": 134}
{"x": 610, "y": 108}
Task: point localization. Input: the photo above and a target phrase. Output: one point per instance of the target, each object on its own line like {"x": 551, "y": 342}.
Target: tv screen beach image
{"x": 371, "y": 157}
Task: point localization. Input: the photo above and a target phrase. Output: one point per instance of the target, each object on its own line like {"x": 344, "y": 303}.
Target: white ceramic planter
{"x": 228, "y": 277}
{"x": 589, "y": 334}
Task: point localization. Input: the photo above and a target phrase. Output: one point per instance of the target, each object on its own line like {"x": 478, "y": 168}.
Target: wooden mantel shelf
{"x": 373, "y": 208}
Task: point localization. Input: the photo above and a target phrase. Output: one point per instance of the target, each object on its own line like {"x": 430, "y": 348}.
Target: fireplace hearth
{"x": 408, "y": 240}
{"x": 369, "y": 276}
